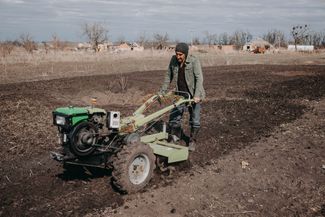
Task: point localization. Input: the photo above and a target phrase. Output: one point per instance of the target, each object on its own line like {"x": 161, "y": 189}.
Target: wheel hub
{"x": 86, "y": 138}
{"x": 139, "y": 169}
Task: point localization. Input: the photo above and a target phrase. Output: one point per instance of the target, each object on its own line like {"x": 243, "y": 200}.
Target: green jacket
{"x": 193, "y": 76}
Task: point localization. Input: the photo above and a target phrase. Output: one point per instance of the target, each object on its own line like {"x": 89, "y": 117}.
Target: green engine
{"x": 81, "y": 129}
{"x": 67, "y": 117}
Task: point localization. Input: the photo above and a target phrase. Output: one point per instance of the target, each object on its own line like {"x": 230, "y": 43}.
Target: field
{"x": 261, "y": 150}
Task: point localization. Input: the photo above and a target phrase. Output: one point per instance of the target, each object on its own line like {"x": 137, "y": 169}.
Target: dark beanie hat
{"x": 182, "y": 47}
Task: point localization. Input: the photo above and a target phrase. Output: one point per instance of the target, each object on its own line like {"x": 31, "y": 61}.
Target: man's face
{"x": 180, "y": 57}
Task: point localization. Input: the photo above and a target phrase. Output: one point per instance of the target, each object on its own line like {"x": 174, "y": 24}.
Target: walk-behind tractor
{"x": 130, "y": 146}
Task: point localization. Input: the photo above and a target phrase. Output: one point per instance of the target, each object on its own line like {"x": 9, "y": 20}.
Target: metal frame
{"x": 158, "y": 142}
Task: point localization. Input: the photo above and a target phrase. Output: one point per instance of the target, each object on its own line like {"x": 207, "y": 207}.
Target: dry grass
{"x": 20, "y": 66}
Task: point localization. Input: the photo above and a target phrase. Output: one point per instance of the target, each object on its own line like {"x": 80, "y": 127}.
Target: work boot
{"x": 193, "y": 138}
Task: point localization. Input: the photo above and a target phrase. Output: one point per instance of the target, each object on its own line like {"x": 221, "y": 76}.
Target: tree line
{"x": 97, "y": 33}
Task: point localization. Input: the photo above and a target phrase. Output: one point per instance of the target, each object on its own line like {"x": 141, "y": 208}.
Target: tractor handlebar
{"x": 183, "y": 94}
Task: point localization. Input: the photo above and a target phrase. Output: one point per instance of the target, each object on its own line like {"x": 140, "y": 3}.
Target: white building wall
{"x": 301, "y": 48}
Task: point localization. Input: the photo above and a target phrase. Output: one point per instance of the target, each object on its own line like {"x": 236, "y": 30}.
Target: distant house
{"x": 136, "y": 47}
{"x": 127, "y": 47}
{"x": 257, "y": 45}
{"x": 104, "y": 46}
{"x": 124, "y": 47}
{"x": 84, "y": 46}
{"x": 308, "y": 48}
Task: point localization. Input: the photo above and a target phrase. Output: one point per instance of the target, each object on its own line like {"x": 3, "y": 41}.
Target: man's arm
{"x": 198, "y": 80}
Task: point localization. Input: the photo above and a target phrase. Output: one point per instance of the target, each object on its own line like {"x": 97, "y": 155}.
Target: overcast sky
{"x": 181, "y": 19}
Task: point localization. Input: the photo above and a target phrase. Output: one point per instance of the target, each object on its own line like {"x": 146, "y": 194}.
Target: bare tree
{"x": 322, "y": 39}
{"x": 210, "y": 39}
{"x": 240, "y": 38}
{"x": 196, "y": 41}
{"x": 96, "y": 33}
{"x": 143, "y": 40}
{"x": 299, "y": 33}
{"x": 160, "y": 40}
{"x": 28, "y": 43}
{"x": 275, "y": 37}
{"x": 6, "y": 48}
{"x": 224, "y": 39}
{"x": 317, "y": 39}
{"x": 57, "y": 44}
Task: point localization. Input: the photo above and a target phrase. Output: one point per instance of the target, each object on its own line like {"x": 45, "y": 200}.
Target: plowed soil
{"x": 261, "y": 150}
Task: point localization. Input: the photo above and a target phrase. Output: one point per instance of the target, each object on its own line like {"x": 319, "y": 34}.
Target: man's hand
{"x": 197, "y": 99}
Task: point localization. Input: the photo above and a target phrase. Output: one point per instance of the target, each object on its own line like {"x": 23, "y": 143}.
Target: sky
{"x": 182, "y": 20}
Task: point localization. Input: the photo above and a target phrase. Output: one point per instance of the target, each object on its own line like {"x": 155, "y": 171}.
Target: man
{"x": 187, "y": 72}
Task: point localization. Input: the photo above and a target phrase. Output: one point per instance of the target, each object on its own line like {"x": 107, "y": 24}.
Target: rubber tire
{"x": 73, "y": 147}
{"x": 122, "y": 161}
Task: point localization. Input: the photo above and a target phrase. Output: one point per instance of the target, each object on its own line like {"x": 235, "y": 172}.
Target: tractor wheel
{"x": 83, "y": 138}
{"x": 133, "y": 167}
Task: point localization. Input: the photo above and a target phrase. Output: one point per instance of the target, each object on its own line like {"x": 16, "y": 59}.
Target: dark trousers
{"x": 176, "y": 116}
